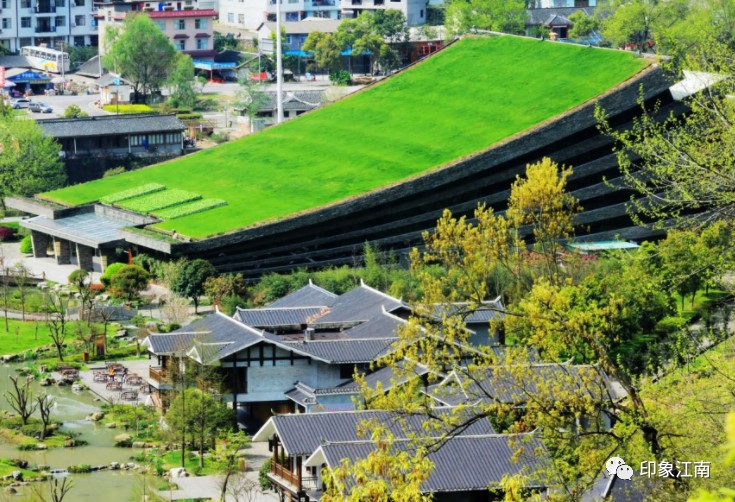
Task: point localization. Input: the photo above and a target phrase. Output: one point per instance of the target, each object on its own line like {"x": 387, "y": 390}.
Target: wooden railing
{"x": 285, "y": 474}
{"x": 158, "y": 374}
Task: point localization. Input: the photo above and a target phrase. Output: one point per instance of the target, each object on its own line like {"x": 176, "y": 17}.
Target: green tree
{"x": 221, "y": 286}
{"x": 229, "y": 452}
{"x": 29, "y": 160}
{"x": 508, "y": 16}
{"x": 191, "y": 279}
{"x": 681, "y": 265}
{"x": 181, "y": 82}
{"x": 639, "y": 22}
{"x": 675, "y": 164}
{"x": 130, "y": 281}
{"x": 325, "y": 48}
{"x": 251, "y": 96}
{"x": 367, "y": 34}
{"x": 582, "y": 24}
{"x": 140, "y": 52}
{"x": 203, "y": 416}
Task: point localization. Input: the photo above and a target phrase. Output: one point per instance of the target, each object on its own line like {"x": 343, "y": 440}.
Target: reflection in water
{"x": 71, "y": 409}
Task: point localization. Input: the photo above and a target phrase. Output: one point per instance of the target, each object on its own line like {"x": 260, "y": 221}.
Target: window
{"x": 78, "y": 41}
{"x": 421, "y": 13}
{"x": 161, "y": 23}
{"x": 80, "y": 21}
{"x": 180, "y": 24}
{"x": 60, "y": 3}
{"x": 346, "y": 370}
{"x": 60, "y": 21}
{"x": 5, "y": 4}
{"x": 25, "y": 22}
{"x": 181, "y": 45}
{"x": 231, "y": 17}
{"x": 241, "y": 18}
{"x": 200, "y": 24}
{"x": 7, "y": 22}
{"x": 25, "y": 4}
{"x": 78, "y": 3}
{"x": 201, "y": 43}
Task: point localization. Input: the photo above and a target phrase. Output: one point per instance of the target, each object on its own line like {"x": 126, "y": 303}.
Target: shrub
{"x": 189, "y": 116}
{"x": 6, "y": 233}
{"x": 73, "y": 111}
{"x": 220, "y": 137}
{"x": 670, "y": 324}
{"x": 26, "y": 245}
{"x": 340, "y": 77}
{"x": 129, "y": 281}
{"x": 126, "y": 109}
{"x": 81, "y": 468}
{"x": 110, "y": 272}
{"x": 114, "y": 171}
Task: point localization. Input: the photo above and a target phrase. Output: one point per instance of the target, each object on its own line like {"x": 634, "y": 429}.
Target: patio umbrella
{"x": 8, "y": 83}
{"x": 58, "y": 80}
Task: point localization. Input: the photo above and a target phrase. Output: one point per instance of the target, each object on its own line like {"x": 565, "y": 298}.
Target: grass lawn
{"x": 701, "y": 302}
{"x": 22, "y": 336}
{"x": 470, "y": 96}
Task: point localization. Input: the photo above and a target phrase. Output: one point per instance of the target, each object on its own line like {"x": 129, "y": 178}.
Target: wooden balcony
{"x": 284, "y": 474}
{"x": 158, "y": 374}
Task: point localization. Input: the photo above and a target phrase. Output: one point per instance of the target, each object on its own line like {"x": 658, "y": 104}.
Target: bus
{"x": 43, "y": 58}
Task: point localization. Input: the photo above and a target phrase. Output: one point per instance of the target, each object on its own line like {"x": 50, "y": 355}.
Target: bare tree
{"x": 241, "y": 488}
{"x": 44, "y": 403}
{"x": 21, "y": 275}
{"x": 82, "y": 280}
{"x": 56, "y": 491}
{"x": 20, "y": 398}
{"x": 56, "y": 320}
{"x": 176, "y": 310}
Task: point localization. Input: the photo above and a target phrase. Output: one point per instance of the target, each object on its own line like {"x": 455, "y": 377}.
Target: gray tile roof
{"x": 358, "y": 305}
{"x": 90, "y": 68}
{"x": 109, "y": 79}
{"x": 513, "y": 384}
{"x": 295, "y": 100}
{"x": 169, "y": 343}
{"x": 542, "y": 16}
{"x": 212, "y": 338}
{"x": 344, "y": 351}
{"x": 110, "y": 124}
{"x": 278, "y": 317}
{"x": 14, "y": 62}
{"x": 302, "y": 434}
{"x": 464, "y": 463}
{"x": 308, "y": 296}
{"x": 386, "y": 377}
{"x": 383, "y": 325}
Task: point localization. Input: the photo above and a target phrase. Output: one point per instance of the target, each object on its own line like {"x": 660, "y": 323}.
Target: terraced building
{"x": 380, "y": 166}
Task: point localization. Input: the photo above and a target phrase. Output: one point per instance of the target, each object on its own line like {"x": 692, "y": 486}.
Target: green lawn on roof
{"x": 473, "y": 94}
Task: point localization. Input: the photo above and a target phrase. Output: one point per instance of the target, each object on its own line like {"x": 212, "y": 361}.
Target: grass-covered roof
{"x": 460, "y": 101}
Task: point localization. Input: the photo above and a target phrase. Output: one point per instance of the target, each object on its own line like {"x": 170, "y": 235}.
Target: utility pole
{"x": 279, "y": 65}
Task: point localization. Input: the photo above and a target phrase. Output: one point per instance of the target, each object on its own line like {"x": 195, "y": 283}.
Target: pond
{"x": 71, "y": 409}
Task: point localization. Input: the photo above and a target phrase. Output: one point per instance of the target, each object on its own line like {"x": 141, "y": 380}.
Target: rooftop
{"x": 343, "y": 155}
{"x": 110, "y": 124}
{"x": 162, "y": 14}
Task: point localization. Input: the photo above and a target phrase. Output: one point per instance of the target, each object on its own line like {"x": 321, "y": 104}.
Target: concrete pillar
{"x": 106, "y": 258}
{"x": 40, "y": 243}
{"x": 62, "y": 250}
{"x": 84, "y": 257}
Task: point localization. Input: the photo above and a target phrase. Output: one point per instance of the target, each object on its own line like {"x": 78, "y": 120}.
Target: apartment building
{"x": 189, "y": 24}
{"x": 49, "y": 22}
{"x": 250, "y": 14}
{"x": 413, "y": 10}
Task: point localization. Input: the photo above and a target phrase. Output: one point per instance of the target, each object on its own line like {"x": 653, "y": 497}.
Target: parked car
{"x": 20, "y": 103}
{"x": 38, "y": 107}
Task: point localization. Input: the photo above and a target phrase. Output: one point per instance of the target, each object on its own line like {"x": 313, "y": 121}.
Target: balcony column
{"x": 62, "y": 250}
{"x": 84, "y": 256}
{"x": 40, "y": 242}
{"x": 298, "y": 472}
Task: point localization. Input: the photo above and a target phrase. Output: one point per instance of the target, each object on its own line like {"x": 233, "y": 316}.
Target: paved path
{"x": 139, "y": 367}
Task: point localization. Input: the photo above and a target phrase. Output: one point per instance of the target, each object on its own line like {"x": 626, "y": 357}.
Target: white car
{"x": 19, "y": 103}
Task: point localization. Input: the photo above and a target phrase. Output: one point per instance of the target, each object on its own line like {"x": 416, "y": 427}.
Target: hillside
{"x": 466, "y": 98}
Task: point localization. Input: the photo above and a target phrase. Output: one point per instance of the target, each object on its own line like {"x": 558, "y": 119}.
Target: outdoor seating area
{"x": 117, "y": 381}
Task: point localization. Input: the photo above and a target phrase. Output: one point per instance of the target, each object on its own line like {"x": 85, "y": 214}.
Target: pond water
{"x": 71, "y": 409}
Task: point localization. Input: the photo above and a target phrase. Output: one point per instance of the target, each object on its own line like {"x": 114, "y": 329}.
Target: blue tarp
{"x": 28, "y": 76}
{"x": 209, "y": 65}
{"x": 305, "y": 54}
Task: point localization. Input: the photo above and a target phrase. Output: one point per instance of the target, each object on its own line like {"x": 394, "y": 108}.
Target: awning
{"x": 180, "y": 36}
{"x": 302, "y": 54}
{"x": 209, "y": 65}
{"x": 30, "y": 77}
{"x": 202, "y": 35}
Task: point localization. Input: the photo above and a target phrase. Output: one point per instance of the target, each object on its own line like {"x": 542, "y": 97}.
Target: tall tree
{"x": 130, "y": 281}
{"x": 190, "y": 282}
{"x": 45, "y": 404}
{"x": 325, "y": 49}
{"x": 29, "y": 160}
{"x": 56, "y": 306}
{"x": 140, "y": 52}
{"x": 181, "y": 82}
